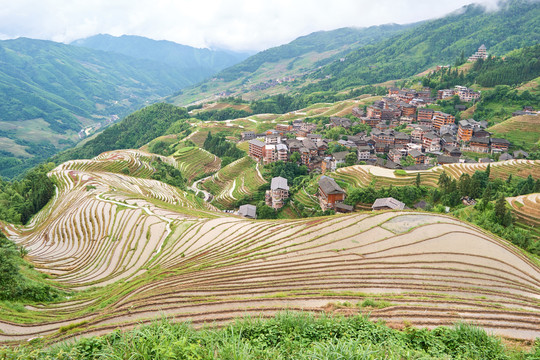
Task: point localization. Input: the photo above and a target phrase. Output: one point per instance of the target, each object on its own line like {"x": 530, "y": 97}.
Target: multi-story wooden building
{"x": 465, "y": 131}
{"x": 396, "y": 154}
{"x": 428, "y": 139}
{"x": 330, "y": 193}
{"x": 440, "y": 119}
{"x": 374, "y": 112}
{"x": 370, "y": 121}
{"x": 401, "y": 138}
{"x": 418, "y": 156}
{"x": 256, "y": 149}
{"x": 383, "y": 137}
{"x": 479, "y": 144}
{"x": 278, "y": 193}
{"x": 408, "y": 110}
{"x": 425, "y": 114}
{"x": 499, "y": 145}
{"x": 284, "y": 127}
{"x": 418, "y": 132}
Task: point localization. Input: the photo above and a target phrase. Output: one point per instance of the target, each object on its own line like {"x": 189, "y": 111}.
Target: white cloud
{"x": 234, "y": 24}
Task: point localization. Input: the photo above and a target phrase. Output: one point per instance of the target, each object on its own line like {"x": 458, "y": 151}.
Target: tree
{"x": 465, "y": 183}
{"x": 265, "y": 212}
{"x": 486, "y": 196}
{"x": 418, "y": 180}
{"x": 488, "y": 171}
{"x": 500, "y": 209}
{"x": 336, "y": 132}
{"x": 295, "y": 157}
{"x": 350, "y": 159}
{"x": 407, "y": 161}
{"x": 444, "y": 182}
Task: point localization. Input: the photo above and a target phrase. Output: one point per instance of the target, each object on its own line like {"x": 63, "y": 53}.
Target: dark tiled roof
{"x": 248, "y": 211}
{"x": 257, "y": 143}
{"x": 329, "y": 186}
{"x": 279, "y": 183}
{"x": 388, "y": 202}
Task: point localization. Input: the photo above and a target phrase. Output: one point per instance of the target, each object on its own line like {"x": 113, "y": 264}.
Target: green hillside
{"x": 297, "y": 58}
{"x": 514, "y": 25}
{"x": 347, "y": 58}
{"x": 50, "y": 91}
{"x": 132, "y": 132}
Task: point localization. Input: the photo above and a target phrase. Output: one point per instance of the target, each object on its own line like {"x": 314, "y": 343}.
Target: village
{"x": 426, "y": 138}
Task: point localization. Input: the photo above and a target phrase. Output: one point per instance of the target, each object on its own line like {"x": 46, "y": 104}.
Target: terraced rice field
{"x": 135, "y": 249}
{"x": 526, "y": 208}
{"x": 194, "y": 162}
{"x": 239, "y": 178}
{"x": 363, "y": 175}
{"x": 309, "y": 201}
{"x": 136, "y": 161}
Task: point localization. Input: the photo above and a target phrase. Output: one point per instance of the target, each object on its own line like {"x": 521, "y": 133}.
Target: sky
{"x": 240, "y": 25}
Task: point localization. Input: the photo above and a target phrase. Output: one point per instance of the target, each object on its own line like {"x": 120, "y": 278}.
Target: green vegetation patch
{"x": 18, "y": 280}
{"x": 285, "y": 336}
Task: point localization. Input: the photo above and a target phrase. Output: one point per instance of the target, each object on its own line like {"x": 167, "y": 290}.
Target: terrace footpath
{"x": 195, "y": 187}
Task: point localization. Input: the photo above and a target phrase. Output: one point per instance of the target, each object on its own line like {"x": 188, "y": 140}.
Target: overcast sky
{"x": 232, "y": 24}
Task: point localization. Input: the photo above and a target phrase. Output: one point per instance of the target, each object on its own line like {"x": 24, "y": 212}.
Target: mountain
{"x": 257, "y": 75}
{"x": 198, "y": 63}
{"x": 50, "y": 91}
{"x": 514, "y": 25}
{"x": 323, "y": 61}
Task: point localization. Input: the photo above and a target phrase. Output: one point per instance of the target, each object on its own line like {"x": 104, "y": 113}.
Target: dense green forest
{"x": 518, "y": 66}
{"x": 285, "y": 336}
{"x": 220, "y": 115}
{"x": 435, "y": 42}
{"x": 168, "y": 174}
{"x": 500, "y": 102}
{"x": 134, "y": 131}
{"x": 19, "y": 200}
{"x": 218, "y": 145}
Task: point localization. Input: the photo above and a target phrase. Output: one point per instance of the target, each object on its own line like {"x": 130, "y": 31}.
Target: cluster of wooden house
{"x": 331, "y": 197}
{"x": 432, "y": 137}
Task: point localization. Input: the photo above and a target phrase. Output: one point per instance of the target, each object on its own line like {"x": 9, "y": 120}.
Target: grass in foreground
{"x": 285, "y": 336}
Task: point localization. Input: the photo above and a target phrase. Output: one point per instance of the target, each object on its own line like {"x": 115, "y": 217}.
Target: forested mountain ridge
{"x": 514, "y": 25}
{"x": 201, "y": 63}
{"x": 301, "y": 56}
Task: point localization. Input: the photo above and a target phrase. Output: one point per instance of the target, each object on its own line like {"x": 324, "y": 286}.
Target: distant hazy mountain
{"x": 200, "y": 63}
{"x": 301, "y": 56}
